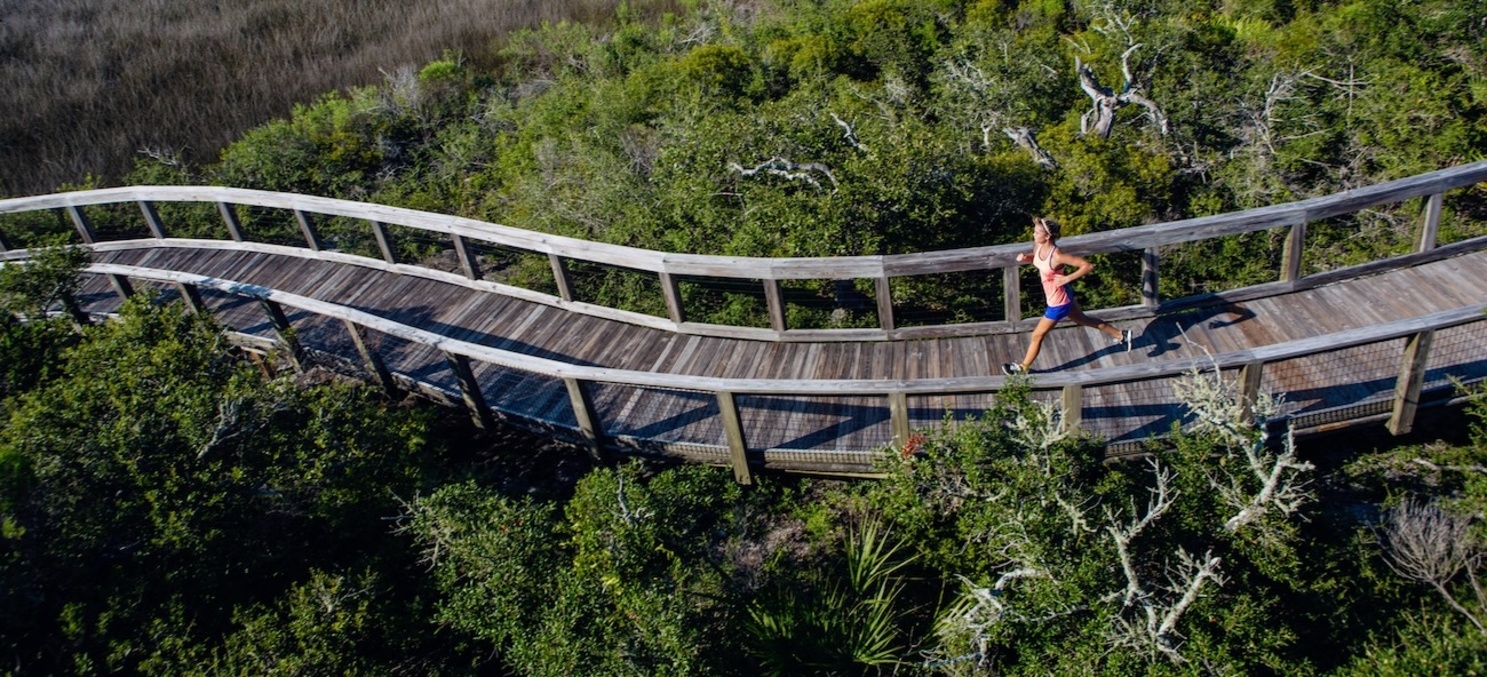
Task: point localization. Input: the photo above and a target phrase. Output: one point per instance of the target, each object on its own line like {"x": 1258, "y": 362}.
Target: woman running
{"x": 1051, "y": 261}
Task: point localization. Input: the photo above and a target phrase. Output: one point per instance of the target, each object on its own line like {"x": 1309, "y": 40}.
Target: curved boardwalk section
{"x": 1368, "y": 343}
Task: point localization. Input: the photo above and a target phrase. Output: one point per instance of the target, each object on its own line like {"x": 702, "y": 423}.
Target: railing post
{"x": 560, "y": 275}
{"x": 1073, "y": 406}
{"x": 1411, "y": 378}
{"x": 1011, "y": 294}
{"x": 379, "y": 231}
{"x": 230, "y": 217}
{"x": 1150, "y": 296}
{"x": 312, "y": 239}
{"x": 1431, "y": 227}
{"x": 1250, "y": 376}
{"x": 775, "y": 300}
{"x": 480, "y": 414}
{"x": 1291, "y": 255}
{"x": 80, "y": 221}
{"x": 152, "y": 217}
{"x": 898, "y": 413}
{"x": 467, "y": 262}
{"x": 375, "y": 367}
{"x": 673, "y": 296}
{"x": 582, "y": 399}
{"x": 282, "y": 328}
{"x": 191, "y": 296}
{"x": 885, "y": 303}
{"x": 738, "y": 455}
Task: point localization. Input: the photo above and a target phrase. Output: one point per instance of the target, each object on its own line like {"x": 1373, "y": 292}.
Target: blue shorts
{"x": 1057, "y": 313}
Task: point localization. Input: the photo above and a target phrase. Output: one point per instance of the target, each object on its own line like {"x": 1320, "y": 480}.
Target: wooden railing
{"x": 893, "y": 395}
{"x": 667, "y": 268}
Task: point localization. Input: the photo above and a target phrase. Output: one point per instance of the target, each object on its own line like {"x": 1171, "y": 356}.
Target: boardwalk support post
{"x": 230, "y": 217}
{"x": 152, "y": 218}
{"x": 673, "y": 296}
{"x": 191, "y": 296}
{"x": 1431, "y": 227}
{"x": 1411, "y": 378}
{"x": 1291, "y": 254}
{"x": 738, "y": 455}
{"x": 885, "y": 304}
{"x": 898, "y": 413}
{"x": 776, "y": 302}
{"x": 467, "y": 261}
{"x": 1150, "y": 297}
{"x": 1073, "y": 397}
{"x": 312, "y": 239}
{"x": 280, "y": 323}
{"x": 1011, "y": 294}
{"x": 1250, "y": 376}
{"x": 384, "y": 243}
{"x": 480, "y": 414}
{"x": 560, "y": 276}
{"x": 375, "y": 367}
{"x": 80, "y": 221}
{"x": 587, "y": 417}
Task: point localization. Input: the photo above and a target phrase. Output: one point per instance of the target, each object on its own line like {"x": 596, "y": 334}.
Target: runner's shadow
{"x": 1164, "y": 331}
{"x": 1162, "y": 335}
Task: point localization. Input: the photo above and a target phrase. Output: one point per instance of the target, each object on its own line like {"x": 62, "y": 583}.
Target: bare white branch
{"x": 1040, "y": 425}
{"x": 1156, "y": 628}
{"x": 790, "y": 170}
{"x": 849, "y": 134}
{"x": 1077, "y": 522}
{"x": 1433, "y": 546}
{"x": 1023, "y": 137}
{"x": 1454, "y": 468}
{"x": 1162, "y": 497}
{"x": 1281, "y": 487}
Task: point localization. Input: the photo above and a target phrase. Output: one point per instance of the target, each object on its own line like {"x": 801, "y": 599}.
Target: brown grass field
{"x": 88, "y": 85}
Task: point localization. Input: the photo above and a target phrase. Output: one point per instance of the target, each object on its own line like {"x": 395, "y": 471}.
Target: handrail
{"x": 770, "y": 271}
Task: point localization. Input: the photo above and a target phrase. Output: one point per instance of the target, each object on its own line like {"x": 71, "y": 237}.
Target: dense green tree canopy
{"x": 167, "y": 509}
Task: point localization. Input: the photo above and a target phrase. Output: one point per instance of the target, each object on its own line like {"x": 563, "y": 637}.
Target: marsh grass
{"x": 86, "y": 86}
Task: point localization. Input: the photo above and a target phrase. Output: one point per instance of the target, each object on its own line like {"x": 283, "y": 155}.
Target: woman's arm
{"x": 1081, "y": 267}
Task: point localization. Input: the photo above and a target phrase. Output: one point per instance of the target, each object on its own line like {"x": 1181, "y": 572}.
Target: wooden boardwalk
{"x": 836, "y": 432}
{"x": 1371, "y": 342}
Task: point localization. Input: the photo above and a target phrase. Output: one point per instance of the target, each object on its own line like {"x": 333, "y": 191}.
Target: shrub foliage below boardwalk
{"x": 166, "y": 509}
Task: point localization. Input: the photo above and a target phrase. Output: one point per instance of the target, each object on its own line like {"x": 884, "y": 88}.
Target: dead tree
{"x": 1101, "y": 116}
{"x": 990, "y": 91}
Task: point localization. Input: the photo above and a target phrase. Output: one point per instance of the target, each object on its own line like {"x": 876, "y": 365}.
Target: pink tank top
{"x": 1056, "y": 294}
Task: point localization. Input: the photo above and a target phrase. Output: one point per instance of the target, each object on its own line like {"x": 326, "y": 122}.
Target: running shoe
{"x": 1127, "y": 337}
{"x": 1010, "y": 368}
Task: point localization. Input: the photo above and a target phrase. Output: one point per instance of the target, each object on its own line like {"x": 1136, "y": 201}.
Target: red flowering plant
{"x": 914, "y": 446}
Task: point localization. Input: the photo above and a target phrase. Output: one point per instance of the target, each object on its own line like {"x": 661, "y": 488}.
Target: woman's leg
{"x": 1036, "y": 342}
{"x": 1083, "y": 320}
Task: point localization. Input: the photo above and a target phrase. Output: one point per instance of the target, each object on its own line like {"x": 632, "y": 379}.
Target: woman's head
{"x": 1046, "y": 226}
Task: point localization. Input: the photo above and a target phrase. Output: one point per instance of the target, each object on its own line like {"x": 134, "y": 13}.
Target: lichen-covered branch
{"x": 790, "y": 170}
{"x": 1162, "y": 498}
